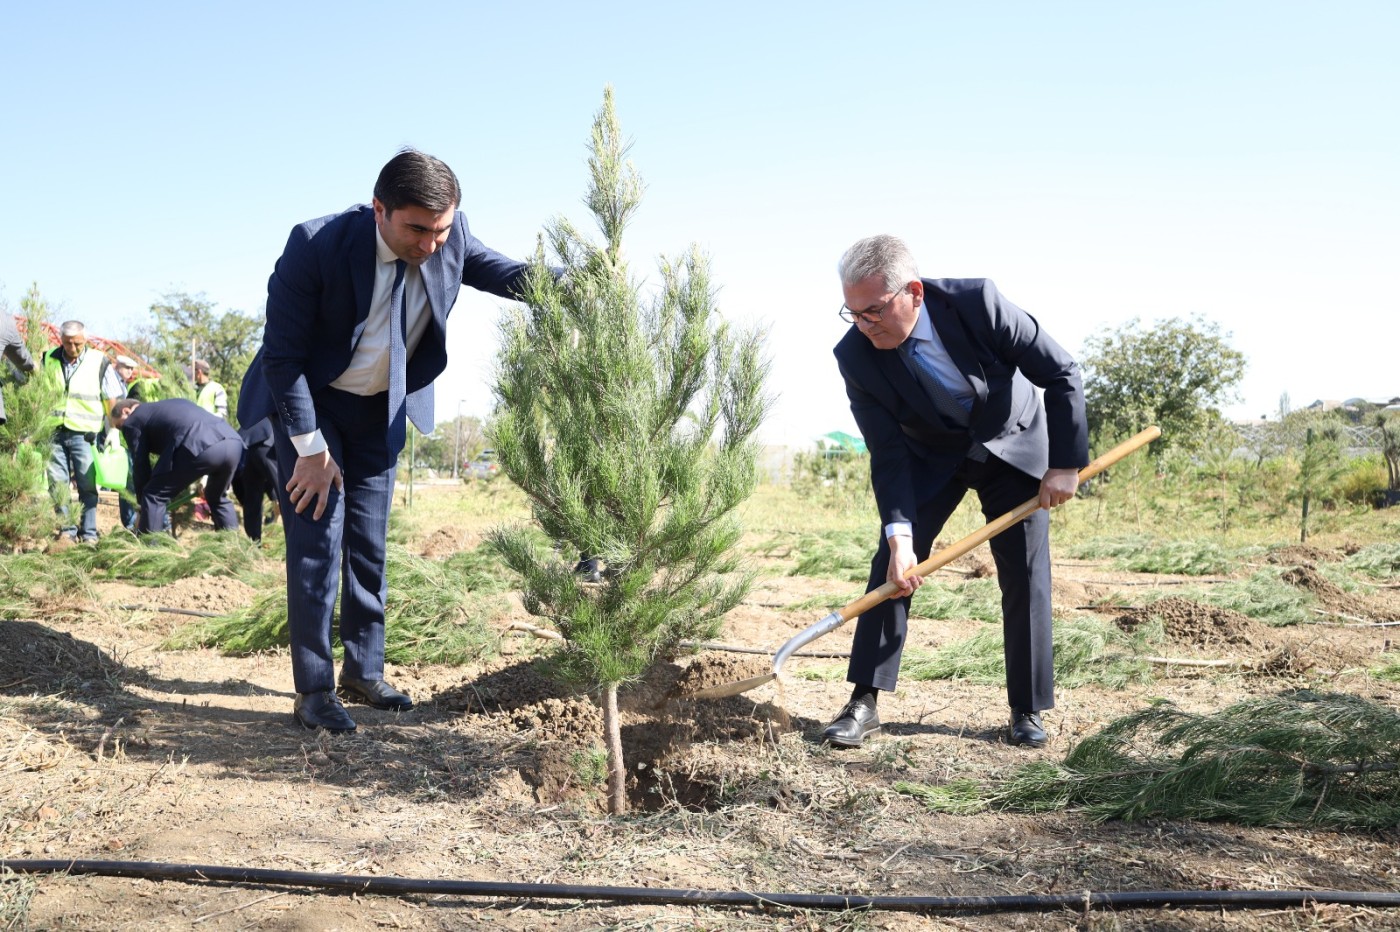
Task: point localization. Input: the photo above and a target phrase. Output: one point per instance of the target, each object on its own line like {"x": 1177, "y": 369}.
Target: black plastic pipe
{"x": 399, "y": 886}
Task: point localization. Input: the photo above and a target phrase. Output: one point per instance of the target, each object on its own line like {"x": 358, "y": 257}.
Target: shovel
{"x": 942, "y": 558}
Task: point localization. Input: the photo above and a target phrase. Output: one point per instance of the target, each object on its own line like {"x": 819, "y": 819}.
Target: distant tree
{"x": 190, "y": 326}
{"x": 1319, "y": 466}
{"x": 1175, "y": 374}
{"x": 628, "y": 422}
{"x": 461, "y": 438}
{"x": 1389, "y": 424}
{"x": 24, "y": 437}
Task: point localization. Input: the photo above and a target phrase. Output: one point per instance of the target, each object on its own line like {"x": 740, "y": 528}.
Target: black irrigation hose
{"x": 398, "y": 886}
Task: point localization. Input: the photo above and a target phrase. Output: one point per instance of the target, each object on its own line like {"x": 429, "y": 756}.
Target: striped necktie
{"x": 398, "y": 361}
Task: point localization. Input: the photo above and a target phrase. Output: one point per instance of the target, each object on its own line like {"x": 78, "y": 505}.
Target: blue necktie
{"x": 398, "y": 360}
{"x": 943, "y": 400}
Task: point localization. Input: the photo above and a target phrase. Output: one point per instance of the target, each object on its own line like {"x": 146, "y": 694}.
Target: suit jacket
{"x": 13, "y": 349}
{"x": 318, "y": 302}
{"x": 1004, "y": 354}
{"x": 166, "y": 427}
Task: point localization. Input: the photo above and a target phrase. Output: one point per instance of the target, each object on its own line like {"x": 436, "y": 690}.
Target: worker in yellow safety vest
{"x": 211, "y": 395}
{"x": 89, "y": 385}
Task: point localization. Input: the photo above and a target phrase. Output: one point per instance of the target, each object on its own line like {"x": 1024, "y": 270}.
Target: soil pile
{"x": 1194, "y": 624}
{"x": 1335, "y": 599}
{"x": 711, "y": 669}
{"x": 1296, "y": 554}
{"x": 217, "y": 595}
{"x": 446, "y": 541}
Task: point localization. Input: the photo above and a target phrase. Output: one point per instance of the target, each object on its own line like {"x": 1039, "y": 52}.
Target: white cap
{"x": 128, "y": 362}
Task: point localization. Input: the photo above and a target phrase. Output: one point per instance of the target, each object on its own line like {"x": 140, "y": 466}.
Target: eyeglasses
{"x": 871, "y": 316}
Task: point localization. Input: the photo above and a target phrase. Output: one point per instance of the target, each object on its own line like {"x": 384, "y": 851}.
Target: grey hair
{"x": 882, "y": 255}
{"x": 71, "y": 328}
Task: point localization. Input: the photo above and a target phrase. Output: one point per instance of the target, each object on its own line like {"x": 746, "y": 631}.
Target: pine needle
{"x": 435, "y": 613}
{"x": 1087, "y": 650}
{"x": 1297, "y": 759}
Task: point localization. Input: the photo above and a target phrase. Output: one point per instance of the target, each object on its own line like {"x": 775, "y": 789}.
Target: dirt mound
{"x": 660, "y": 732}
{"x": 1296, "y": 554}
{"x": 576, "y": 720}
{"x": 1307, "y": 577}
{"x": 35, "y": 657}
{"x": 1335, "y": 599}
{"x": 219, "y": 595}
{"x": 1193, "y": 623}
{"x": 446, "y": 541}
{"x": 713, "y": 669}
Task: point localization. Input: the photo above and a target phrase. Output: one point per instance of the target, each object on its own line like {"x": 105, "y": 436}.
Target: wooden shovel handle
{"x": 993, "y": 528}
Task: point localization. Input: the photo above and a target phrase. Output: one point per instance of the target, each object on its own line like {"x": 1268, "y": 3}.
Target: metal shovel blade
{"x": 825, "y": 626}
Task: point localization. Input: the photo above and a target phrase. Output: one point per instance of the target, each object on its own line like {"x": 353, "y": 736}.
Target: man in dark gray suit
{"x": 188, "y": 442}
{"x": 941, "y": 375}
{"x": 356, "y": 332}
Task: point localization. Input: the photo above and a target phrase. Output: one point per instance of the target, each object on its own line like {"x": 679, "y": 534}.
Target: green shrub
{"x": 1364, "y": 481}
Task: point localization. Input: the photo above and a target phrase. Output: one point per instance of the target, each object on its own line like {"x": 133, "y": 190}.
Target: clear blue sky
{"x": 1100, "y": 160}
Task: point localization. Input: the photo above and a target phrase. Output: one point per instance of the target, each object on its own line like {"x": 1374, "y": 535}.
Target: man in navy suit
{"x": 188, "y": 443}
{"x": 256, "y": 478}
{"x": 941, "y": 375}
{"x": 356, "y": 332}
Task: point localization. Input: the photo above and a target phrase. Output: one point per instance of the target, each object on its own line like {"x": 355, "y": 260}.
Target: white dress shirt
{"x": 368, "y": 372}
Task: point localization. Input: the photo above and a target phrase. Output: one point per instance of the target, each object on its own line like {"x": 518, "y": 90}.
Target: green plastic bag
{"x": 110, "y": 466}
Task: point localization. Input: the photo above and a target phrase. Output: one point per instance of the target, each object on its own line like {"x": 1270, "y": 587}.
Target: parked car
{"x": 484, "y": 466}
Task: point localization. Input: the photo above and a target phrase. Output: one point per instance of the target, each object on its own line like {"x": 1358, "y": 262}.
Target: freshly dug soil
{"x": 1193, "y": 623}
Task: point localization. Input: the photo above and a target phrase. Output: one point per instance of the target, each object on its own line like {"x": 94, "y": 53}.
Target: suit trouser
{"x": 1022, "y": 555}
{"x": 184, "y": 469}
{"x": 255, "y": 479}
{"x": 347, "y": 544}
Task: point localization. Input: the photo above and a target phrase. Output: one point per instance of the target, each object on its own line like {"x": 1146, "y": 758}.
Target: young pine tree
{"x": 628, "y": 421}
{"x": 24, "y": 437}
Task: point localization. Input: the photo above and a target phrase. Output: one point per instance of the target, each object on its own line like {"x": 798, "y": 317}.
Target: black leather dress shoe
{"x": 857, "y": 720}
{"x": 1027, "y": 729}
{"x": 322, "y": 710}
{"x": 376, "y": 693}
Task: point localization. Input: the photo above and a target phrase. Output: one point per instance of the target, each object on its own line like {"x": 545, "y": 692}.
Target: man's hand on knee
{"x": 311, "y": 481}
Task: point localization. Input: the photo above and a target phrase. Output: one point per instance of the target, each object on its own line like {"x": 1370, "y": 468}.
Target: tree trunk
{"x": 617, "y": 769}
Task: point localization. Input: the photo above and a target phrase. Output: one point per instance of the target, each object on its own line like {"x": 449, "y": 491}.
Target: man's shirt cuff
{"x": 309, "y": 444}
{"x": 899, "y": 529}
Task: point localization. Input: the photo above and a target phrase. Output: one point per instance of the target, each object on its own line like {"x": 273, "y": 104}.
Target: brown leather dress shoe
{"x": 322, "y": 710}
{"x": 376, "y": 693}
{"x": 1026, "y": 729}
{"x": 858, "y": 720}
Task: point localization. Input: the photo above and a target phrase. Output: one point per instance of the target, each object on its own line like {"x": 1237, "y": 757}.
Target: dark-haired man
{"x": 188, "y": 442}
{"x": 356, "y": 332}
{"x": 942, "y": 377}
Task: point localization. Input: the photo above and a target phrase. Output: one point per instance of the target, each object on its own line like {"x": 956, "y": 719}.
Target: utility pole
{"x": 457, "y": 447}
